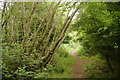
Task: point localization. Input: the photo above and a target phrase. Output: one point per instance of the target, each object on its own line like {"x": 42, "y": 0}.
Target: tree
{"x": 99, "y": 25}
{"x": 32, "y": 32}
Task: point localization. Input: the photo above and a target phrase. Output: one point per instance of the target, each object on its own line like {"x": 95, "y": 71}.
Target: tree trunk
{"x": 108, "y": 63}
{"x": 59, "y": 39}
{"x": 118, "y": 63}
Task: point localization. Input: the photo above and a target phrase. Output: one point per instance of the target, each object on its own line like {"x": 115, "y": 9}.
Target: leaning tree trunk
{"x": 59, "y": 39}
{"x": 48, "y": 29}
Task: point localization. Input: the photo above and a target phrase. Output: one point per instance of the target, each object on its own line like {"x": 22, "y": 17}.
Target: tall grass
{"x": 62, "y": 63}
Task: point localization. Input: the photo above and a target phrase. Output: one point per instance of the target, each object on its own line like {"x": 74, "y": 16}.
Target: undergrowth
{"x": 98, "y": 68}
{"x": 62, "y": 63}
{"x": 16, "y": 65}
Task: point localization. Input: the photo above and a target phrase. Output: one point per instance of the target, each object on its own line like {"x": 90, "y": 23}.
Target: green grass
{"x": 98, "y": 69}
{"x": 62, "y": 65}
{"x": 97, "y": 58}
{"x": 84, "y": 57}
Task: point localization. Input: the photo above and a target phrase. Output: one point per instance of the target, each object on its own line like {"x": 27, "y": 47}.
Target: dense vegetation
{"x": 32, "y": 32}
{"x": 38, "y": 36}
{"x": 98, "y": 26}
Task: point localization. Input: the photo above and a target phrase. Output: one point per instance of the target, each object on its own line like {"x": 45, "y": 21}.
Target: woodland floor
{"x": 77, "y": 68}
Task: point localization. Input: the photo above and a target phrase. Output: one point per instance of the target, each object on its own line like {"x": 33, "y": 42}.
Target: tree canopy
{"x": 98, "y": 27}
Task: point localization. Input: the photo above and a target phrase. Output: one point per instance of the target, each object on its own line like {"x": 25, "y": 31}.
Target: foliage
{"x": 62, "y": 63}
{"x": 32, "y": 32}
{"x": 82, "y": 52}
{"x": 99, "y": 32}
{"x": 18, "y": 67}
{"x": 98, "y": 68}
{"x": 26, "y": 68}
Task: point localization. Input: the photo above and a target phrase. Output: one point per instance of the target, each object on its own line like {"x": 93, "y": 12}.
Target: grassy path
{"x": 77, "y": 69}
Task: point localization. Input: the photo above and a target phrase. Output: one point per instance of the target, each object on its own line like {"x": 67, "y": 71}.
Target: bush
{"x": 17, "y": 65}
{"x": 98, "y": 69}
{"x": 81, "y": 52}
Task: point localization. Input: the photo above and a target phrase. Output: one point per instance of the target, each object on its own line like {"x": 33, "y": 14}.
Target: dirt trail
{"x": 77, "y": 69}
